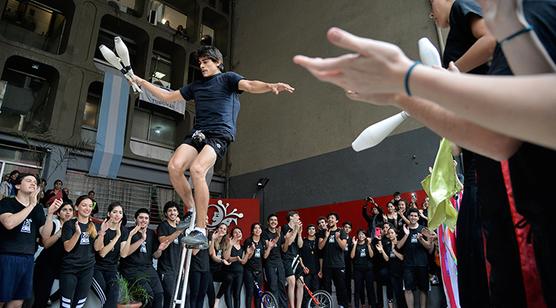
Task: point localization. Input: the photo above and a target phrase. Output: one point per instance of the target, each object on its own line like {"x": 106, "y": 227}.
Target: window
{"x": 153, "y": 128}
{"x": 38, "y": 24}
{"x": 92, "y": 105}
{"x": 173, "y": 18}
{"x": 168, "y": 63}
{"x": 29, "y": 97}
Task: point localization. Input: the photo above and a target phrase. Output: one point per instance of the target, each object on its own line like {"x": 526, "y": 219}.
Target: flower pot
{"x": 131, "y": 305}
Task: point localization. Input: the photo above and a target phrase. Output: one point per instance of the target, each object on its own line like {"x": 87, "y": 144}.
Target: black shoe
{"x": 195, "y": 239}
{"x": 186, "y": 222}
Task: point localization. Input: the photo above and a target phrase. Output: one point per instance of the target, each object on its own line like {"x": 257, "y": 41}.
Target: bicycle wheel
{"x": 323, "y": 298}
{"x": 268, "y": 300}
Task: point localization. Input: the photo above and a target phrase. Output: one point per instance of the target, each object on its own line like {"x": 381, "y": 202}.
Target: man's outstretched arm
{"x": 256, "y": 86}
{"x": 166, "y": 96}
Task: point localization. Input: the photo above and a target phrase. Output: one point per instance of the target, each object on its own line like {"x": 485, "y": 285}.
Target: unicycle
{"x": 268, "y": 300}
{"x": 318, "y": 299}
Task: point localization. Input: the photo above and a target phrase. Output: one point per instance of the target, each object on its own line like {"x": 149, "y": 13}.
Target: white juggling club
{"x": 377, "y": 132}
{"x": 123, "y": 53}
{"x": 111, "y": 57}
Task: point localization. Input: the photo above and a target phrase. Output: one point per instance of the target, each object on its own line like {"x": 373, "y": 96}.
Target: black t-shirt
{"x": 22, "y": 238}
{"x": 216, "y": 266}
{"x": 378, "y": 259}
{"x": 395, "y": 265}
{"x": 275, "y": 256}
{"x": 216, "y": 102}
{"x": 460, "y": 38}
{"x": 310, "y": 255}
{"x": 347, "y": 253}
{"x": 415, "y": 254}
{"x": 110, "y": 261}
{"x": 169, "y": 261}
{"x": 82, "y": 256}
{"x": 255, "y": 263}
{"x": 362, "y": 258}
{"x": 142, "y": 257}
{"x": 293, "y": 249}
{"x": 333, "y": 255}
{"x": 200, "y": 261}
{"x": 236, "y": 266}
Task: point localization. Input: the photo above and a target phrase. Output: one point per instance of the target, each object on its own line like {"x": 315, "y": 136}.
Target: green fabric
{"x": 441, "y": 185}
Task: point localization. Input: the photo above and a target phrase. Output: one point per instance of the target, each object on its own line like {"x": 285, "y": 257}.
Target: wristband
{"x": 526, "y": 29}
{"x": 407, "y": 75}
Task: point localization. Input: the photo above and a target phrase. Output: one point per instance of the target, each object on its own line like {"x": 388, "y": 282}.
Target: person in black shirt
{"x": 199, "y": 276}
{"x": 361, "y": 254}
{"x": 169, "y": 261}
{"x": 376, "y": 218}
{"x": 293, "y": 241}
{"x": 137, "y": 265}
{"x": 380, "y": 266}
{"x": 253, "y": 270}
{"x": 237, "y": 257}
{"x": 394, "y": 258}
{"x": 310, "y": 256}
{"x": 415, "y": 247}
{"x": 217, "y": 265}
{"x": 78, "y": 236}
{"x": 347, "y": 258}
{"x": 273, "y": 265}
{"x": 333, "y": 243}
{"x": 21, "y": 223}
{"x": 49, "y": 262}
{"x": 109, "y": 246}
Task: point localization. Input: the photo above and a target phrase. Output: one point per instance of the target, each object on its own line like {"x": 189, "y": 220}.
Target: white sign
{"x": 177, "y": 106}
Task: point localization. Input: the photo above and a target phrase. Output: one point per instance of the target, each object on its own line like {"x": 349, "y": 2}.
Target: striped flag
{"x": 109, "y": 147}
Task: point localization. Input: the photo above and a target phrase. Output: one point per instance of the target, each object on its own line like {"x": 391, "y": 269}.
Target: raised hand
{"x": 55, "y": 206}
{"x": 118, "y": 229}
{"x": 354, "y": 240}
{"x": 104, "y": 226}
{"x": 134, "y": 230}
{"x": 144, "y": 234}
{"x": 379, "y": 247}
{"x": 163, "y": 245}
{"x": 77, "y": 227}
{"x": 33, "y": 198}
{"x": 405, "y": 229}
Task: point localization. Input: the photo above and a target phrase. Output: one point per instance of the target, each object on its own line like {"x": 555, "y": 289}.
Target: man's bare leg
{"x": 198, "y": 170}
{"x": 179, "y": 162}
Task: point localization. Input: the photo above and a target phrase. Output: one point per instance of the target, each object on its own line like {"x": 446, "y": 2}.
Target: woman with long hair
{"x": 49, "y": 262}
{"x": 395, "y": 268}
{"x": 235, "y": 254}
{"x": 217, "y": 264}
{"x": 109, "y": 246}
{"x": 78, "y": 262}
{"x": 253, "y": 270}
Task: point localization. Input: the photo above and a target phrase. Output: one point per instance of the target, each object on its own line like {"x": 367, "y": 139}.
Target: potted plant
{"x": 132, "y": 295}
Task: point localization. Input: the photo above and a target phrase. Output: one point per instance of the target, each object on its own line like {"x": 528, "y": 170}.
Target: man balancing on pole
{"x": 216, "y": 109}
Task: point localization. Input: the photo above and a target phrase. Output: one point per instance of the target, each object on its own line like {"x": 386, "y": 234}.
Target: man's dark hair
{"x": 212, "y": 53}
{"x": 397, "y": 193}
{"x": 335, "y": 215}
{"x": 21, "y": 176}
{"x": 290, "y": 215}
{"x": 142, "y": 210}
{"x": 169, "y": 205}
{"x": 347, "y": 223}
{"x": 270, "y": 216}
{"x": 412, "y": 210}
{"x": 309, "y": 226}
{"x": 321, "y": 218}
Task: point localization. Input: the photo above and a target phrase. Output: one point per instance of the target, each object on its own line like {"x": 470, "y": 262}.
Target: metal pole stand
{"x": 183, "y": 276}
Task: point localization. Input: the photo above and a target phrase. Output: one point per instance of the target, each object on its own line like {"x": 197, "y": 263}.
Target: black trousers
{"x": 226, "y": 280}
{"x": 249, "y": 278}
{"x": 276, "y": 277}
{"x": 198, "y": 285}
{"x": 397, "y": 289}
{"x": 106, "y": 287}
{"x": 148, "y": 279}
{"x": 74, "y": 287}
{"x": 363, "y": 280}
{"x": 43, "y": 278}
{"x": 168, "y": 281}
{"x": 382, "y": 278}
{"x": 235, "y": 288}
{"x": 336, "y": 275}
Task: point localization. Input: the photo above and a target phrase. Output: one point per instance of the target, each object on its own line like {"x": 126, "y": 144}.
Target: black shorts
{"x": 217, "y": 140}
{"x": 293, "y": 267}
{"x": 416, "y": 277}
